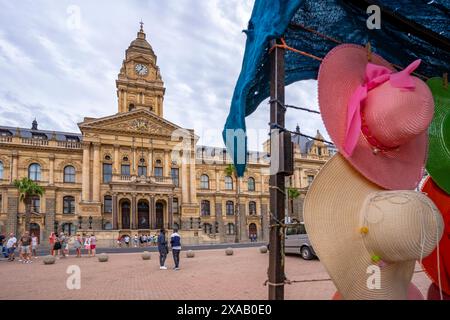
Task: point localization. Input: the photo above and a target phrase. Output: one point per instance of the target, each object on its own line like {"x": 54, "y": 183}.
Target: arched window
{"x": 204, "y": 181}
{"x": 230, "y": 208}
{"x": 69, "y": 205}
{"x": 230, "y": 228}
{"x": 131, "y": 107}
{"x": 206, "y": 208}
{"x": 34, "y": 172}
{"x": 69, "y": 174}
{"x": 251, "y": 184}
{"x": 1, "y": 170}
{"x": 228, "y": 183}
{"x": 107, "y": 204}
{"x": 252, "y": 208}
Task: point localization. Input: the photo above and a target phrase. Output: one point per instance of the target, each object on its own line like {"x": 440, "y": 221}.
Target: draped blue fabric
{"x": 344, "y": 21}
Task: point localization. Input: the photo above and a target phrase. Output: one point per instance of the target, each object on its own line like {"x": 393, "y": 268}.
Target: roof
{"x": 28, "y": 133}
{"x": 410, "y": 30}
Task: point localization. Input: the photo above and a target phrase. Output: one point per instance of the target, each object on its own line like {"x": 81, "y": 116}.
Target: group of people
{"x": 143, "y": 240}
{"x": 59, "y": 245}
{"x": 27, "y": 246}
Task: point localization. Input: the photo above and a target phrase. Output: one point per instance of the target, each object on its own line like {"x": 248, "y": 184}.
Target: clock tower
{"x": 139, "y": 84}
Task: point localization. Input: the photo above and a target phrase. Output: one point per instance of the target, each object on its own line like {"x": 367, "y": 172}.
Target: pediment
{"x": 136, "y": 122}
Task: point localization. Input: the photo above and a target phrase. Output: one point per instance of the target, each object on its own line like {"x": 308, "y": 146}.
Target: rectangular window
{"x": 175, "y": 206}
{"x": 125, "y": 170}
{"x": 158, "y": 171}
{"x": 107, "y": 206}
{"x": 35, "y": 204}
{"x": 175, "y": 175}
{"x": 310, "y": 180}
{"x": 142, "y": 171}
{"x": 107, "y": 172}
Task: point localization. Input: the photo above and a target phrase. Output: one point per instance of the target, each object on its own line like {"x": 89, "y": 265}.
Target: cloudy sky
{"x": 59, "y": 61}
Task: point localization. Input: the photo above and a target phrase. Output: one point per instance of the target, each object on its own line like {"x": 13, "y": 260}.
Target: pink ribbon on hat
{"x": 375, "y": 76}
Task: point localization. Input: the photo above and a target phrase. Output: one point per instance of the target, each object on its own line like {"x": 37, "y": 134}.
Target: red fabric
{"x": 442, "y": 201}
{"x": 434, "y": 294}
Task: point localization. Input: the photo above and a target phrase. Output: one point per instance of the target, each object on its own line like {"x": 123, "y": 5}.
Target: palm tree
{"x": 27, "y": 190}
{"x": 230, "y": 170}
{"x": 293, "y": 193}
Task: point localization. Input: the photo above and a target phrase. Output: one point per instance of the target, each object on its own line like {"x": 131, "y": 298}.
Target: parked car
{"x": 296, "y": 241}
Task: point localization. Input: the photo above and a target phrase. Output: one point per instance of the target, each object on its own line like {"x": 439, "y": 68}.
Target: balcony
{"x": 14, "y": 140}
{"x": 143, "y": 179}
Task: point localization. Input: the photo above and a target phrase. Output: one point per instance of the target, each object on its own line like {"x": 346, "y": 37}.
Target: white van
{"x": 297, "y": 241}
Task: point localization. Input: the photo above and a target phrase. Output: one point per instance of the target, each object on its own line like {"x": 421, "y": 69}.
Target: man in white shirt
{"x": 11, "y": 246}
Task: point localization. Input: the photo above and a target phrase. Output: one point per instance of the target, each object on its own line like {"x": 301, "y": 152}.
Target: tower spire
{"x": 142, "y": 26}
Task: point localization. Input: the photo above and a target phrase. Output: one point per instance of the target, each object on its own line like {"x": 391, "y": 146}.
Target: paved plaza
{"x": 210, "y": 275}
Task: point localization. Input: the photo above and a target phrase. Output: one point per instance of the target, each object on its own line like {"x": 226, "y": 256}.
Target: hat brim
{"x": 332, "y": 220}
{"x": 438, "y": 163}
{"x": 341, "y": 72}
{"x": 442, "y": 201}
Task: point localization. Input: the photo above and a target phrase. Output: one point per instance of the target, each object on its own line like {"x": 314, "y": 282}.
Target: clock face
{"x": 141, "y": 69}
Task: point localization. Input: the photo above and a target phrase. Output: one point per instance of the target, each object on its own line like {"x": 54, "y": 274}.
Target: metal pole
{"x": 277, "y": 181}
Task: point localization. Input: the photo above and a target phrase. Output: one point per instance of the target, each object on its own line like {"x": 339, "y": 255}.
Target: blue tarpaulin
{"x": 410, "y": 29}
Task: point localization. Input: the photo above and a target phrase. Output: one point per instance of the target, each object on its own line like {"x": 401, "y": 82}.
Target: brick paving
{"x": 210, "y": 275}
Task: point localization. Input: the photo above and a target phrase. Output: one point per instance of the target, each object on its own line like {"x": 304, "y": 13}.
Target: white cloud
{"x": 61, "y": 74}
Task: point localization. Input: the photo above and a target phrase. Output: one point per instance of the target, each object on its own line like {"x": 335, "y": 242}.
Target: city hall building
{"x": 119, "y": 175}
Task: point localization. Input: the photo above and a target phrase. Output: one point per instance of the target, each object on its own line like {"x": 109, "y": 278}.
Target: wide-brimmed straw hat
{"x": 438, "y": 164}
{"x": 442, "y": 201}
{"x": 355, "y": 227}
{"x": 377, "y": 117}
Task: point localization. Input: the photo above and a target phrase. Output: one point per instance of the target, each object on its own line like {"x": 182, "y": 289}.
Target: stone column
{"x": 13, "y": 208}
{"x": 14, "y": 175}
{"x": 170, "y": 212}
{"x": 150, "y": 163}
{"x": 219, "y": 219}
{"x": 96, "y": 174}
{"x": 86, "y": 173}
{"x": 217, "y": 180}
{"x": 243, "y": 222}
{"x": 152, "y": 213}
{"x": 51, "y": 172}
{"x": 166, "y": 164}
{"x": 134, "y": 224}
{"x": 116, "y": 159}
{"x": 50, "y": 204}
{"x": 134, "y": 163}
{"x": 193, "y": 191}
{"x": 264, "y": 222}
{"x": 184, "y": 180}
{"x": 115, "y": 213}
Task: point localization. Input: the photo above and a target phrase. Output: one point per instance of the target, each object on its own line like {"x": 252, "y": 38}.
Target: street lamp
{"x": 90, "y": 222}
{"x": 80, "y": 220}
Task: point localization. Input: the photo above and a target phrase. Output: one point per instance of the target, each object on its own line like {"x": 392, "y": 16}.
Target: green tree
{"x": 27, "y": 190}
{"x": 293, "y": 193}
{"x": 230, "y": 170}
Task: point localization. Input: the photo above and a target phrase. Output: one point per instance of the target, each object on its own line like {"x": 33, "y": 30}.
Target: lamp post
{"x": 80, "y": 221}
{"x": 90, "y": 222}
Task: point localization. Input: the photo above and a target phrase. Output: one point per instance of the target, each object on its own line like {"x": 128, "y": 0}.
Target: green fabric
{"x": 438, "y": 164}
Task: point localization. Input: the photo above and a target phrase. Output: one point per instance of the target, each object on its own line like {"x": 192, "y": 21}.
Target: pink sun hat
{"x": 377, "y": 117}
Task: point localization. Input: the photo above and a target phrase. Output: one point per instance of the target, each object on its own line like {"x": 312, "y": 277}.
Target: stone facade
{"x": 124, "y": 173}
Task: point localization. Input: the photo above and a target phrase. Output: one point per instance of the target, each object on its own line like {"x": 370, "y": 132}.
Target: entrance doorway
{"x": 252, "y": 231}
{"x": 159, "y": 210}
{"x": 36, "y": 230}
{"x": 125, "y": 210}
{"x": 143, "y": 215}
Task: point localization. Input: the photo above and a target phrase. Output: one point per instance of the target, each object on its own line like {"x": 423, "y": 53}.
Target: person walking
{"x": 93, "y": 244}
{"x": 127, "y": 240}
{"x": 11, "y": 246}
{"x": 78, "y": 243}
{"x": 163, "y": 249}
{"x": 51, "y": 241}
{"x": 34, "y": 244}
{"x": 56, "y": 246}
{"x": 175, "y": 243}
{"x": 2, "y": 248}
{"x": 87, "y": 244}
{"x": 136, "y": 240}
{"x": 25, "y": 247}
{"x": 119, "y": 241}
{"x": 64, "y": 244}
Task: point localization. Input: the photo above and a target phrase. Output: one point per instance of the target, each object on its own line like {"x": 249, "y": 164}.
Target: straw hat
{"x": 438, "y": 164}
{"x": 442, "y": 201}
{"x": 378, "y": 118}
{"x": 354, "y": 224}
